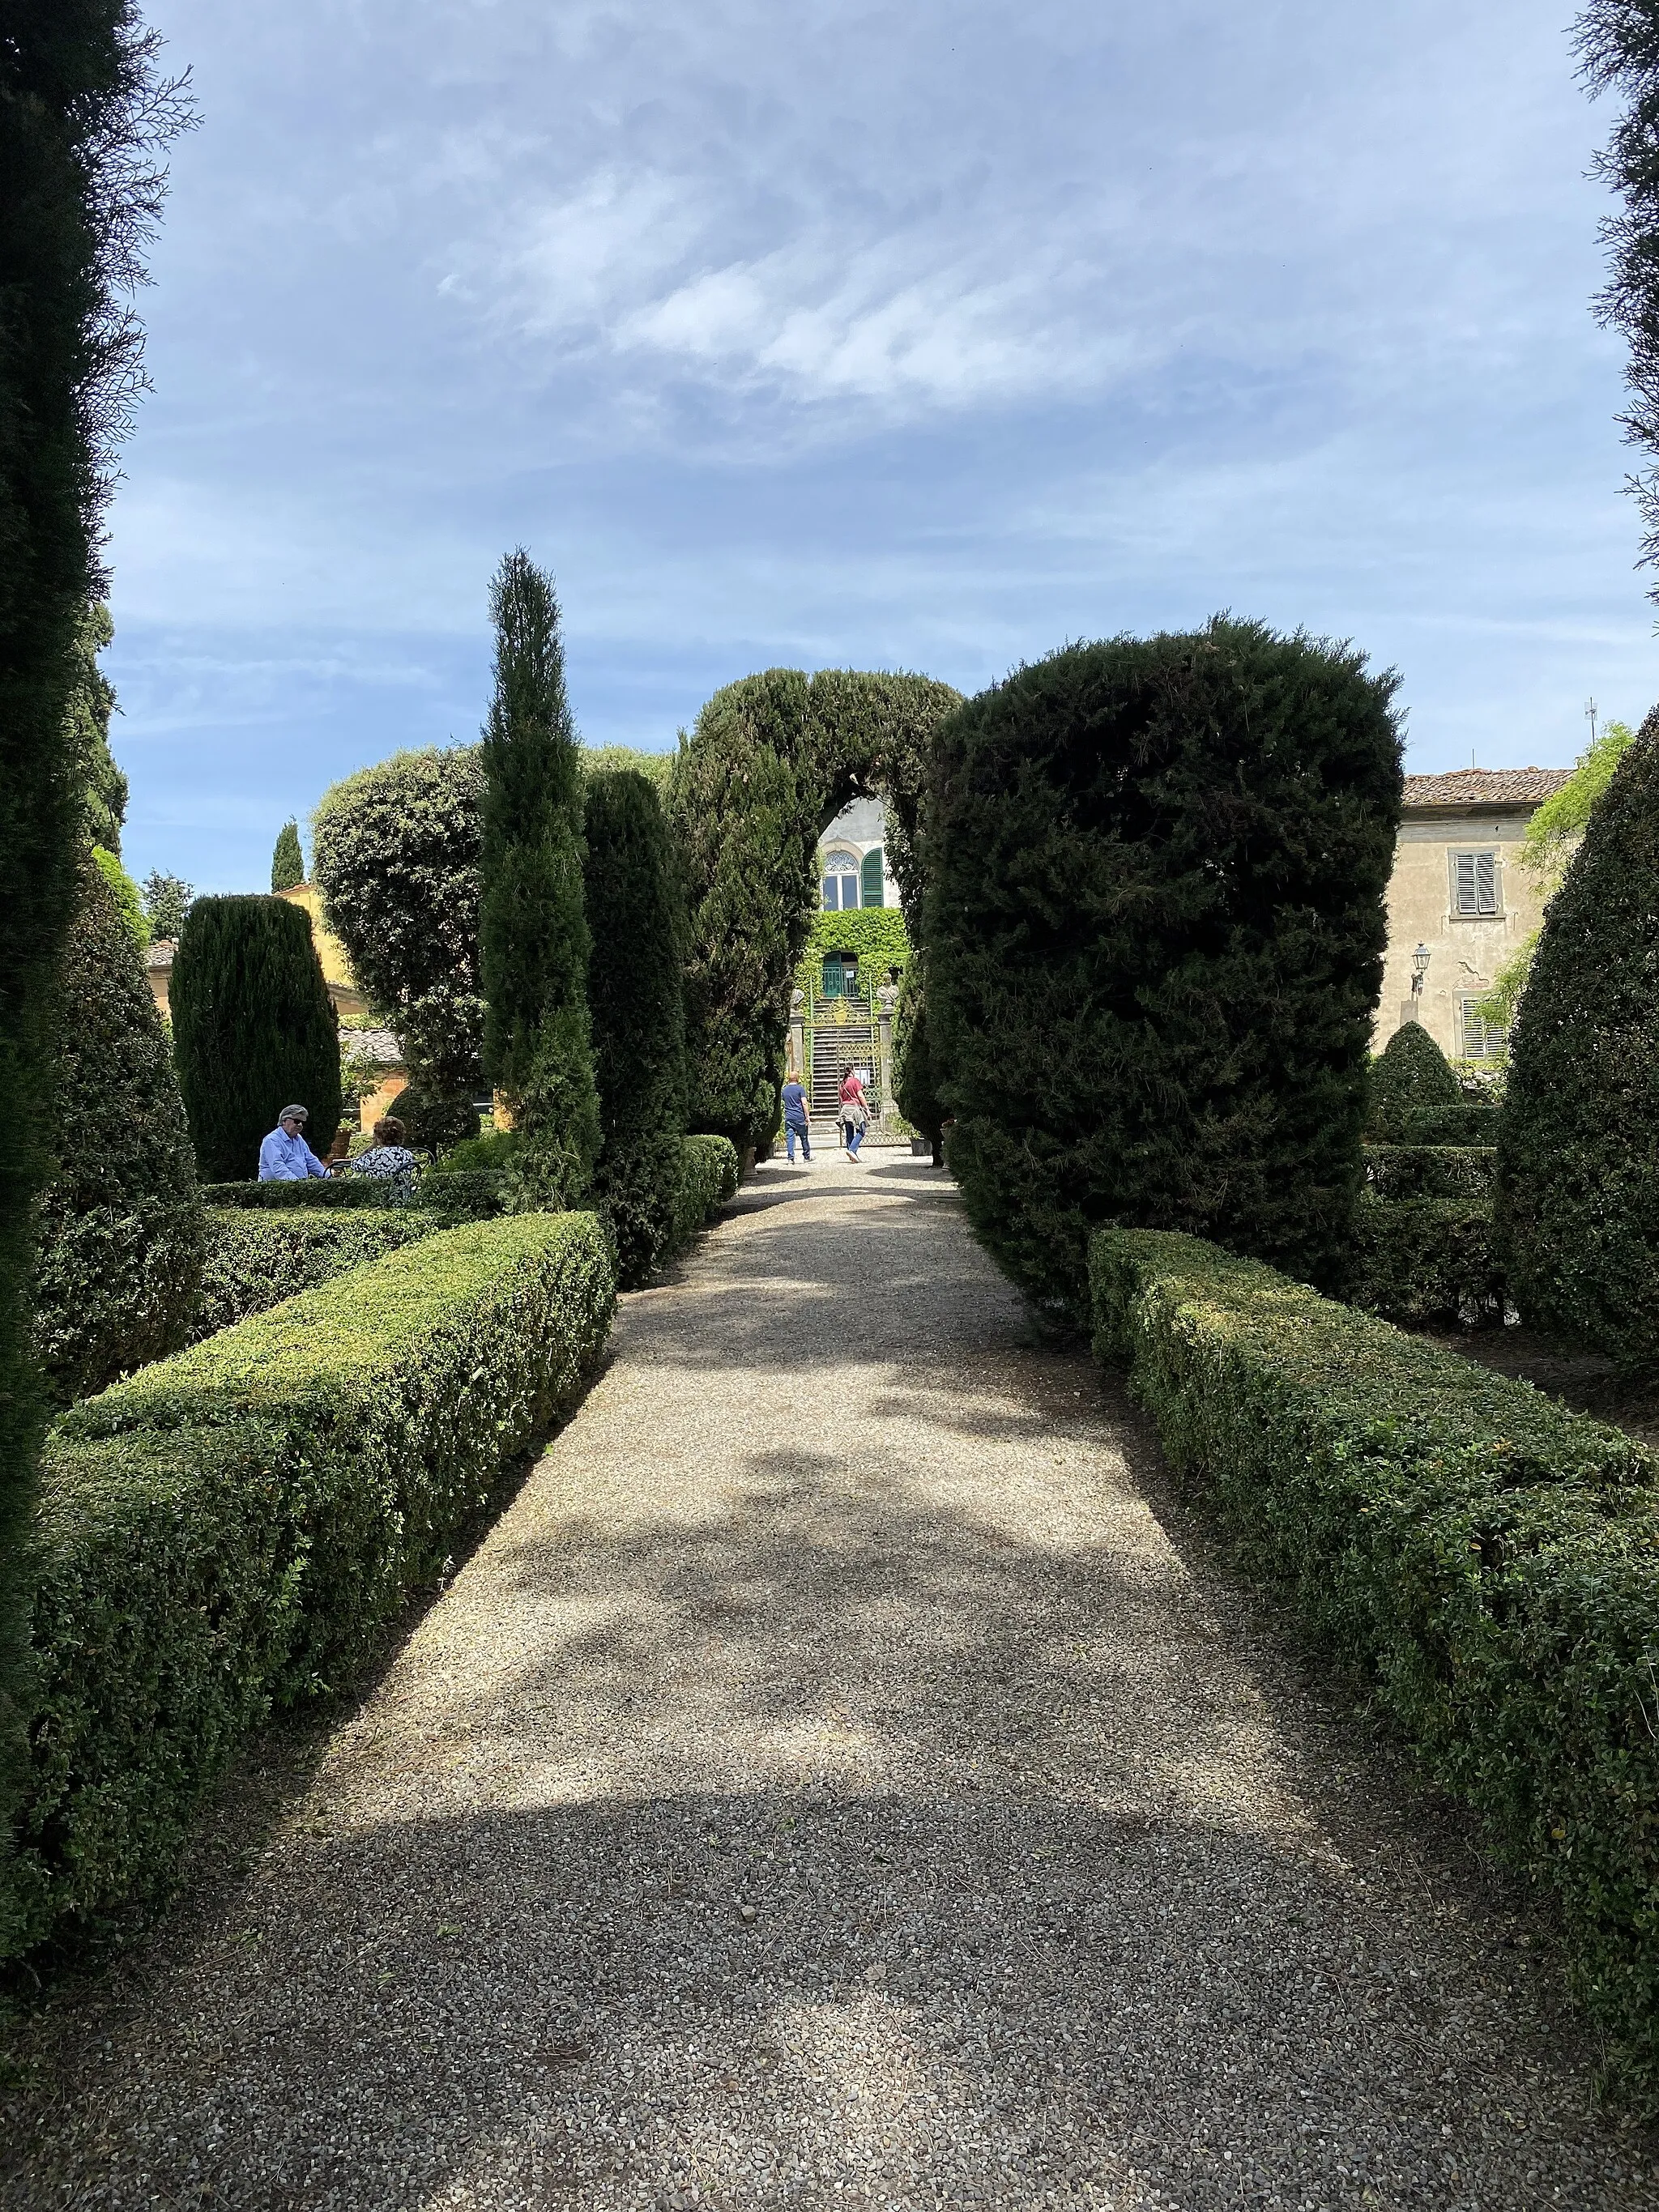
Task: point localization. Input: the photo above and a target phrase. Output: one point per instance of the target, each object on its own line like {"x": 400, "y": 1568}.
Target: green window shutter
{"x": 871, "y": 873}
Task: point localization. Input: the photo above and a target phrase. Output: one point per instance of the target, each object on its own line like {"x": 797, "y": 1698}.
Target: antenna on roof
{"x": 1589, "y": 716}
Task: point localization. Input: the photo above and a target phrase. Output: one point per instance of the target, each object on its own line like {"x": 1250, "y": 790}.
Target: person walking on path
{"x": 285, "y": 1157}
{"x": 854, "y": 1112}
{"x": 794, "y": 1120}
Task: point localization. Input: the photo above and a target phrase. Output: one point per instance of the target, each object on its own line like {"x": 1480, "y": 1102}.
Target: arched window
{"x": 840, "y": 880}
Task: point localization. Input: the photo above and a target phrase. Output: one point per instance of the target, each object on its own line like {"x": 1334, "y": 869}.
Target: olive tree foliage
{"x": 770, "y": 762}
{"x": 533, "y": 931}
{"x": 1618, "y": 47}
{"x": 84, "y": 115}
{"x": 395, "y": 859}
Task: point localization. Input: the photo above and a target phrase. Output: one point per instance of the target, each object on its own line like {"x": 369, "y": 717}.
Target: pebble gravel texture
{"x": 841, "y": 1777}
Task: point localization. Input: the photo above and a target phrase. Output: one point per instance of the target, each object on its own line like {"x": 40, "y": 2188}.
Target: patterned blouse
{"x": 393, "y": 1164}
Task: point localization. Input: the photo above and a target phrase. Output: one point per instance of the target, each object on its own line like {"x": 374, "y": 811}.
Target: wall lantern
{"x": 1420, "y": 969}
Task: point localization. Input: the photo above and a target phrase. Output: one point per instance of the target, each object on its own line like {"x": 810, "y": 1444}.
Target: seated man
{"x": 285, "y": 1157}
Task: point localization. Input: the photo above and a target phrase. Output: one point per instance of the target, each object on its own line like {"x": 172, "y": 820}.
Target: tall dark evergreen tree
{"x": 122, "y": 1230}
{"x": 1578, "y": 1197}
{"x": 81, "y": 116}
{"x": 288, "y": 864}
{"x": 1154, "y": 940}
{"x": 253, "y": 1030}
{"x": 1617, "y": 45}
{"x": 92, "y": 702}
{"x": 636, "y": 1001}
{"x": 533, "y": 936}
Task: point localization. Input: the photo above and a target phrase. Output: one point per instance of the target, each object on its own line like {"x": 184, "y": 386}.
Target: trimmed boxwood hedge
{"x": 708, "y": 1176}
{"x": 1430, "y": 1170}
{"x": 1490, "y": 1559}
{"x": 233, "y": 1528}
{"x": 476, "y": 1192}
{"x": 1420, "y": 1260}
{"x": 255, "y": 1259}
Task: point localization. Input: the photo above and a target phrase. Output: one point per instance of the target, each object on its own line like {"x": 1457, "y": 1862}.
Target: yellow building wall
{"x": 1465, "y": 952}
{"x": 337, "y": 968}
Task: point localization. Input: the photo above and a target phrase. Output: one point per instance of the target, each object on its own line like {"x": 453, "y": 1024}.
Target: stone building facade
{"x": 1456, "y": 896}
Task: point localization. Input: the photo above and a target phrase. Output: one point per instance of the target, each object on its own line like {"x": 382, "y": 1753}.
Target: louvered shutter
{"x": 1485, "y": 882}
{"x": 1463, "y": 881}
{"x": 871, "y": 874}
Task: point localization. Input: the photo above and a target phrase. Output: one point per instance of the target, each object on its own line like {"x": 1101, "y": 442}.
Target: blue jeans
{"x": 854, "y": 1138}
{"x": 790, "y": 1130}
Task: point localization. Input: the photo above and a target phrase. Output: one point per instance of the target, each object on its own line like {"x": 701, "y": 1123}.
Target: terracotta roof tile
{"x": 1486, "y": 787}
{"x": 161, "y": 953}
{"x": 378, "y": 1046}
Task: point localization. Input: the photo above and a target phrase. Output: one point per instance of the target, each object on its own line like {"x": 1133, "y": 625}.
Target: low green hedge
{"x": 256, "y": 1259}
{"x": 472, "y": 1195}
{"x": 1466, "y": 1172}
{"x": 1490, "y": 1559}
{"x": 1422, "y": 1260}
{"x": 329, "y": 1191}
{"x": 1468, "y": 1124}
{"x": 708, "y": 1177}
{"x": 233, "y": 1528}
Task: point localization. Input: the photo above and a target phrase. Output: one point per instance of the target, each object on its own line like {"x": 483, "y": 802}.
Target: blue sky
{"x": 823, "y": 332}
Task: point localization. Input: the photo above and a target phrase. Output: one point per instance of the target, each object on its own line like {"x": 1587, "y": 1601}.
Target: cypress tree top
{"x": 288, "y": 866}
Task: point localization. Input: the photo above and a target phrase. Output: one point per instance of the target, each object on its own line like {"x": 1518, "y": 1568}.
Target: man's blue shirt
{"x": 283, "y": 1158}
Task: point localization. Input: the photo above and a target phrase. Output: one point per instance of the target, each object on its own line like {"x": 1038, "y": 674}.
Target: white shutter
{"x": 1463, "y": 882}
{"x": 1485, "y": 882}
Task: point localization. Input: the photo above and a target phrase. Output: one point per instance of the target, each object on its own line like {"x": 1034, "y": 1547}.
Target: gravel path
{"x": 841, "y": 1778}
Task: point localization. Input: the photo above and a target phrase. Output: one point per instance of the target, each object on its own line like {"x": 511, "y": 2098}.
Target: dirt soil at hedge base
{"x": 843, "y": 1776}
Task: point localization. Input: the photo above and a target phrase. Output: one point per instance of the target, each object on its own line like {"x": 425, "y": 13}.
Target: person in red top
{"x": 854, "y": 1112}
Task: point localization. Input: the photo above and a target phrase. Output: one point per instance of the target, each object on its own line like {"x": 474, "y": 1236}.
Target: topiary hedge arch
{"x": 771, "y": 761}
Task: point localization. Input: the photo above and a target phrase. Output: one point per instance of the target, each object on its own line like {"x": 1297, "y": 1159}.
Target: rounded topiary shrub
{"x": 253, "y": 1030}
{"x": 1154, "y": 935}
{"x": 122, "y": 1230}
{"x": 636, "y": 1004}
{"x": 1409, "y": 1074}
{"x": 1578, "y": 1138}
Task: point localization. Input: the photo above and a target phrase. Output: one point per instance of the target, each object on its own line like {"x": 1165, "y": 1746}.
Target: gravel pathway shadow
{"x": 842, "y": 1776}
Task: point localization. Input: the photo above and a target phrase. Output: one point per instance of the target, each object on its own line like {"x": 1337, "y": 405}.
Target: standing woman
{"x": 854, "y": 1112}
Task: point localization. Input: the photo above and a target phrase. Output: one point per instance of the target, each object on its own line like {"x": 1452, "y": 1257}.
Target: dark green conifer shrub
{"x": 92, "y": 702}
{"x": 253, "y": 1030}
{"x": 636, "y": 1001}
{"x": 1578, "y": 1193}
{"x": 533, "y": 937}
{"x": 1409, "y": 1074}
{"x": 121, "y": 1222}
{"x": 917, "y": 1076}
{"x": 287, "y": 865}
{"x": 395, "y": 859}
{"x": 1154, "y": 930}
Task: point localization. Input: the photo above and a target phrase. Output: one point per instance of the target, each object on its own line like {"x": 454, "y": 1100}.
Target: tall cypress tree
{"x": 288, "y": 864}
{"x": 81, "y": 117}
{"x": 253, "y": 1029}
{"x": 636, "y": 999}
{"x": 533, "y": 935}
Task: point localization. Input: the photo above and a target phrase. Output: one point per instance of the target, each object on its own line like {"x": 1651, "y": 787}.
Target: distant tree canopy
{"x": 1154, "y": 936}
{"x": 167, "y": 902}
{"x": 395, "y": 853}
{"x": 533, "y": 935}
{"x": 288, "y": 864}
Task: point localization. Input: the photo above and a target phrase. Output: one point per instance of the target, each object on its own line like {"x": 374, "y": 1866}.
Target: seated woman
{"x": 389, "y": 1158}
